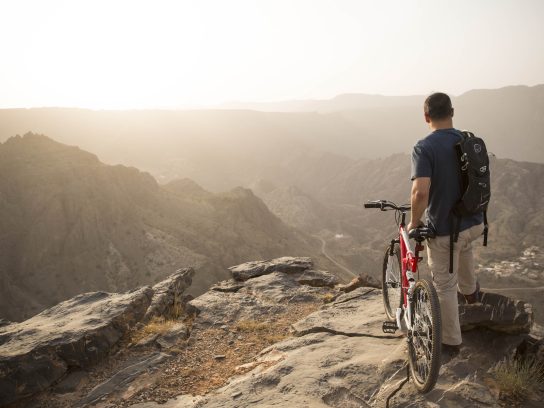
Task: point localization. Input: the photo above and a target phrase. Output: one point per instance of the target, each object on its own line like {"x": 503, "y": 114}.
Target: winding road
{"x": 349, "y": 273}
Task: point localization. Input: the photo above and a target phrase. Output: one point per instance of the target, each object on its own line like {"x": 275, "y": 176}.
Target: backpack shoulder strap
{"x": 486, "y": 228}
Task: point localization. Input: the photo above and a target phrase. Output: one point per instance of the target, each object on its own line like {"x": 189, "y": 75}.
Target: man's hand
{"x": 412, "y": 225}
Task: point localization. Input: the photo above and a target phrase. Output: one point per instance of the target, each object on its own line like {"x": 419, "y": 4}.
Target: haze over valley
{"x": 227, "y": 186}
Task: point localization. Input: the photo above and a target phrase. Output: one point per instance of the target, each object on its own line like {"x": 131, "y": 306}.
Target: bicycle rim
{"x": 425, "y": 337}
{"x": 391, "y": 283}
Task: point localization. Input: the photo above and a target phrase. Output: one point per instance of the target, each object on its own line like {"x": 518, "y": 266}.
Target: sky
{"x": 120, "y": 54}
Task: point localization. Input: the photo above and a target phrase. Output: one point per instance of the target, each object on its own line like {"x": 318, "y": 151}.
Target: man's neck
{"x": 441, "y": 124}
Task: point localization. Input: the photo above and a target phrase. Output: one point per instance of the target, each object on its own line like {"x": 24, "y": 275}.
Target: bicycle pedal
{"x": 389, "y": 327}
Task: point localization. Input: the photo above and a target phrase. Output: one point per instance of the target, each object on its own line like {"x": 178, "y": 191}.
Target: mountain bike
{"x": 411, "y": 304}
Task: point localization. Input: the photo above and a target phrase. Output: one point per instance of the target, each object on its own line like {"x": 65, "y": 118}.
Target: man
{"x": 436, "y": 189}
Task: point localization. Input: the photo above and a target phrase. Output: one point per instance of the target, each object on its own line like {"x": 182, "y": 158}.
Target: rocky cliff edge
{"x": 279, "y": 333}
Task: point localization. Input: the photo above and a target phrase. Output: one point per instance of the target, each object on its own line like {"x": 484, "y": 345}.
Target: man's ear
{"x": 427, "y": 118}
{"x": 452, "y": 111}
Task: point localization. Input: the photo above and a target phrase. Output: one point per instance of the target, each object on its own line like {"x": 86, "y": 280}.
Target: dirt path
{"x": 349, "y": 273}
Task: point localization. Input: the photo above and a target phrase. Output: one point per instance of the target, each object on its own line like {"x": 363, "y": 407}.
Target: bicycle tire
{"x": 391, "y": 283}
{"x": 425, "y": 336}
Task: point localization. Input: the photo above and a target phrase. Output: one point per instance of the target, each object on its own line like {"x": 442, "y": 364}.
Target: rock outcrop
{"x": 498, "y": 313}
{"x": 169, "y": 293}
{"x": 76, "y": 333}
{"x": 250, "y": 270}
{"x": 79, "y": 333}
{"x": 278, "y": 334}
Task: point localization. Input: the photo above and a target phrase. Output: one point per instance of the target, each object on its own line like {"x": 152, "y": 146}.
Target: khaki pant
{"x": 446, "y": 283}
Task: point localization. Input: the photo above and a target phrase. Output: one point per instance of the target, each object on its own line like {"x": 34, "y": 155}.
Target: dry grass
{"x": 328, "y": 298}
{"x": 157, "y": 325}
{"x": 197, "y": 371}
{"x": 252, "y": 326}
{"x": 517, "y": 378}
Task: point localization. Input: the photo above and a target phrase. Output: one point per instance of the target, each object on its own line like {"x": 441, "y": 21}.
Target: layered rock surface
{"x": 77, "y": 333}
{"x": 232, "y": 350}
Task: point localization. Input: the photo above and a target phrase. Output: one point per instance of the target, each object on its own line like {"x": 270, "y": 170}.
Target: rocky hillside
{"x": 71, "y": 224}
{"x": 278, "y": 333}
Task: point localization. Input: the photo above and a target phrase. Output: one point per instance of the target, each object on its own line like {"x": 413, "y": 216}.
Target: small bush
{"x": 519, "y": 377}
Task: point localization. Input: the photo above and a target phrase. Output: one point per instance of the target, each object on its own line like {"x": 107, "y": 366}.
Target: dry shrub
{"x": 519, "y": 377}
{"x": 157, "y": 325}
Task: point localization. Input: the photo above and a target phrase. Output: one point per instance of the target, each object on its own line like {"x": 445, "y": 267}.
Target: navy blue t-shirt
{"x": 435, "y": 157}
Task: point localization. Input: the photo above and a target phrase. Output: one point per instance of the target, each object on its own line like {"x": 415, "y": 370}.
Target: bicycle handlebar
{"x": 384, "y": 205}
{"x": 371, "y": 204}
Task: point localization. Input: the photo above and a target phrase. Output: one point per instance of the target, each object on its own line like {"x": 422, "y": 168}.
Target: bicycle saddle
{"x": 421, "y": 233}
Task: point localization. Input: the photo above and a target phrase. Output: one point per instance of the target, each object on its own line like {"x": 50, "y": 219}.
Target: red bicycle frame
{"x": 409, "y": 259}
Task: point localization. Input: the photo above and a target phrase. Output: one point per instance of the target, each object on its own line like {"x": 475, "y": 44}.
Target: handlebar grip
{"x": 373, "y": 205}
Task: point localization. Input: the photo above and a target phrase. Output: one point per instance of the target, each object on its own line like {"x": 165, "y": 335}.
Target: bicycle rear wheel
{"x": 391, "y": 282}
{"x": 425, "y": 336}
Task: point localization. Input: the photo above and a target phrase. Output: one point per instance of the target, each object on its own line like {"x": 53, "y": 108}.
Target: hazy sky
{"x": 157, "y": 53}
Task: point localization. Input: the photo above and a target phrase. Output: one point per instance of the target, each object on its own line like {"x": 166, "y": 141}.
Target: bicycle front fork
{"x": 407, "y": 312}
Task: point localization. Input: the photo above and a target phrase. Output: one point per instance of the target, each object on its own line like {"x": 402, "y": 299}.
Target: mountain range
{"x": 71, "y": 224}
{"x": 218, "y": 187}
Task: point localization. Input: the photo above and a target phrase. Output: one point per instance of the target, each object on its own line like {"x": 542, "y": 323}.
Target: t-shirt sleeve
{"x": 421, "y": 162}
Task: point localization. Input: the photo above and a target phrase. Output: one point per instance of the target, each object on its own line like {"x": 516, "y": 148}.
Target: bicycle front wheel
{"x": 391, "y": 282}
{"x": 425, "y": 336}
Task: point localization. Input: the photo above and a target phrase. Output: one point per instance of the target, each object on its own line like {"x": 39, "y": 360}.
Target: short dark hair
{"x": 438, "y": 106}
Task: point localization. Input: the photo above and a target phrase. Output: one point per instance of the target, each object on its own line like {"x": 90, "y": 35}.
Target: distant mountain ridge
{"x": 221, "y": 149}
{"x": 71, "y": 224}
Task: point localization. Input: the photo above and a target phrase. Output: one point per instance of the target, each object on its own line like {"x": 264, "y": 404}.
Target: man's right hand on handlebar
{"x": 412, "y": 225}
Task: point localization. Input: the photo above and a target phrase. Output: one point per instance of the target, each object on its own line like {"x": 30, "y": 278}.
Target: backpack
{"x": 475, "y": 184}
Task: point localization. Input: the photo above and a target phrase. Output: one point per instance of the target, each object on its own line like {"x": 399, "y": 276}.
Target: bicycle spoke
{"x": 422, "y": 334}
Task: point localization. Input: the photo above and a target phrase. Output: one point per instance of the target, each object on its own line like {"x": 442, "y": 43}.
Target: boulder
{"x": 168, "y": 293}
{"x": 497, "y": 312}
{"x": 75, "y": 333}
{"x": 286, "y": 264}
{"x": 317, "y": 279}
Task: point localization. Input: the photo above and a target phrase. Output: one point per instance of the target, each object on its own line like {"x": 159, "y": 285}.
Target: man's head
{"x": 438, "y": 109}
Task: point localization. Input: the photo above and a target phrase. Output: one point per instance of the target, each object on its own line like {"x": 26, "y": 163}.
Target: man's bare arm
{"x": 419, "y": 200}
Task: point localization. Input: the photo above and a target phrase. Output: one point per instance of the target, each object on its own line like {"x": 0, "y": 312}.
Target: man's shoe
{"x": 449, "y": 351}
{"x": 473, "y": 297}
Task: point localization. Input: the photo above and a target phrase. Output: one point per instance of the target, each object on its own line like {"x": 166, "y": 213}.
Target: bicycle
{"x": 411, "y": 304}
